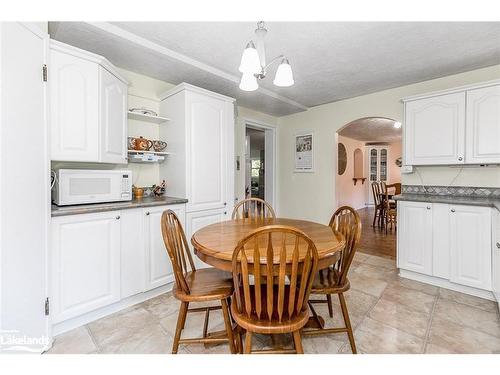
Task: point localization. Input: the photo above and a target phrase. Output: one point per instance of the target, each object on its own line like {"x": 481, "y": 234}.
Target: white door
{"x": 483, "y": 125}
{"x": 74, "y": 108}
{"x": 85, "y": 263}
{"x": 24, "y": 211}
{"x": 133, "y": 253}
{"x": 470, "y": 240}
{"x": 200, "y": 219}
{"x": 158, "y": 265}
{"x": 113, "y": 113}
{"x": 434, "y": 130}
{"x": 414, "y": 247}
{"x": 208, "y": 154}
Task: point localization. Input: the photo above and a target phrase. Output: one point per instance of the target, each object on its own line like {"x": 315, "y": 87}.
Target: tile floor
{"x": 389, "y": 315}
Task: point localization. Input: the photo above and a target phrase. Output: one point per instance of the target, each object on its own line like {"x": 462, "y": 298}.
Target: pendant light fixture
{"x": 253, "y": 64}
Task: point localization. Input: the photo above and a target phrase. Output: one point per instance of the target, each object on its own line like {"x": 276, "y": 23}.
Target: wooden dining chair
{"x": 253, "y": 208}
{"x": 377, "y": 201}
{"x": 282, "y": 261}
{"x": 333, "y": 280}
{"x": 192, "y": 285}
{"x": 390, "y": 211}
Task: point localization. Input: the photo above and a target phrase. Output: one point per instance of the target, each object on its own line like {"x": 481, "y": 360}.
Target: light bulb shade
{"x": 248, "y": 82}
{"x": 250, "y": 62}
{"x": 284, "y": 76}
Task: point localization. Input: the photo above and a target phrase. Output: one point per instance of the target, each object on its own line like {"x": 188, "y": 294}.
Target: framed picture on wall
{"x": 304, "y": 152}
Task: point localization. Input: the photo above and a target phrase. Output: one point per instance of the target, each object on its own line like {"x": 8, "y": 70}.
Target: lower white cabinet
{"x": 133, "y": 257}
{"x": 158, "y": 265}
{"x": 415, "y": 237}
{"x": 496, "y": 257}
{"x": 85, "y": 263}
{"x": 470, "y": 246}
{"x": 199, "y": 219}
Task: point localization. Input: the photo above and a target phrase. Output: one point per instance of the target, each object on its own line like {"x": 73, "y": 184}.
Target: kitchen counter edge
{"x": 430, "y": 198}
{"x": 114, "y": 206}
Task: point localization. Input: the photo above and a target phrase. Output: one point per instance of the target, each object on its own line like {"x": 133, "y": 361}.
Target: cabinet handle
{"x": 147, "y": 213}
{"x": 498, "y": 245}
{"x": 118, "y": 217}
{"x": 225, "y": 213}
{"x": 460, "y": 158}
{"x": 225, "y": 203}
{"x": 428, "y": 207}
{"x": 452, "y": 210}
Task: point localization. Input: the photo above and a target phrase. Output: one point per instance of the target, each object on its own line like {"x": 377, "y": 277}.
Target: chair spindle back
{"x": 253, "y": 208}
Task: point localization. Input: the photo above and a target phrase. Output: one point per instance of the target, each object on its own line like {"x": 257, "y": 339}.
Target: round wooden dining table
{"x": 215, "y": 243}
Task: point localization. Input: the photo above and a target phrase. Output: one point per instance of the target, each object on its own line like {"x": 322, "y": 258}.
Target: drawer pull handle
{"x": 225, "y": 213}
{"x": 498, "y": 245}
{"x": 460, "y": 158}
{"x": 118, "y": 217}
{"x": 428, "y": 207}
{"x": 147, "y": 213}
{"x": 452, "y": 210}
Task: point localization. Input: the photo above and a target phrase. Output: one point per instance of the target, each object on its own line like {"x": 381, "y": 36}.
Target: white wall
{"x": 317, "y": 190}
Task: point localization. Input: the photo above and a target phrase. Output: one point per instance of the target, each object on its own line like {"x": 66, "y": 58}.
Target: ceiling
{"x": 372, "y": 129}
{"x": 330, "y": 60}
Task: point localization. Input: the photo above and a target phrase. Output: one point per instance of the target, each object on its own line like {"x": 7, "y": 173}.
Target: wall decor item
{"x": 399, "y": 161}
{"x": 341, "y": 158}
{"x": 131, "y": 143}
{"x": 304, "y": 152}
{"x": 142, "y": 144}
{"x": 159, "y": 190}
{"x": 159, "y": 146}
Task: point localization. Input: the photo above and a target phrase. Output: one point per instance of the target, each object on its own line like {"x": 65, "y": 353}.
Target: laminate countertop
{"x": 450, "y": 199}
{"x": 113, "y": 206}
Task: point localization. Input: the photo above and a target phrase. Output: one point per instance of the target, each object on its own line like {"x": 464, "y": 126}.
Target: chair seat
{"x": 206, "y": 284}
{"x": 264, "y": 325}
{"x": 327, "y": 281}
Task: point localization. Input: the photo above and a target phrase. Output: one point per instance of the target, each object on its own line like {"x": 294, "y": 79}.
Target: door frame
{"x": 270, "y": 150}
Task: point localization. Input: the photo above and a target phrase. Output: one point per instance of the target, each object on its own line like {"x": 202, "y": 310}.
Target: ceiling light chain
{"x": 253, "y": 64}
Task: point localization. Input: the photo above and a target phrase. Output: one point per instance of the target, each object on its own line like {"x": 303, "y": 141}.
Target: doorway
{"x": 260, "y": 161}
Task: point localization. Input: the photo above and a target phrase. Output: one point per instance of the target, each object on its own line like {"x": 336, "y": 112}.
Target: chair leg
{"x": 181, "y": 320}
{"x": 297, "y": 340}
{"x": 248, "y": 342}
{"x": 347, "y": 322}
{"x": 239, "y": 340}
{"x": 229, "y": 328}
{"x": 330, "y": 306}
{"x": 374, "y": 217}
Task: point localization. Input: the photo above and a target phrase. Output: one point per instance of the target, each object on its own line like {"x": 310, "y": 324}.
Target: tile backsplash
{"x": 461, "y": 191}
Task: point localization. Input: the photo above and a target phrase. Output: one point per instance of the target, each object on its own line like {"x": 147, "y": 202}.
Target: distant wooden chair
{"x": 390, "y": 211}
{"x": 283, "y": 261}
{"x": 253, "y": 208}
{"x": 377, "y": 201}
{"x": 193, "y": 285}
{"x": 333, "y": 280}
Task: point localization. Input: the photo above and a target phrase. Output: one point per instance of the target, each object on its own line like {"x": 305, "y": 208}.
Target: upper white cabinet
{"x": 201, "y": 139}
{"x": 88, "y": 105}
{"x": 435, "y": 130}
{"x": 453, "y": 127}
{"x": 483, "y": 125}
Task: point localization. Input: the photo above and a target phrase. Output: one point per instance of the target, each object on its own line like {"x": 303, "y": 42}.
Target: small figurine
{"x": 159, "y": 190}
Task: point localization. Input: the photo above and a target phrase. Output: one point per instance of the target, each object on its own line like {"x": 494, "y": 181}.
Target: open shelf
{"x": 135, "y": 156}
{"x": 148, "y": 118}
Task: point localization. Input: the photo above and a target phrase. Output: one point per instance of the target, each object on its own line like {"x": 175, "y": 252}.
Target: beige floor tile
{"x": 120, "y": 326}
{"x": 149, "y": 339}
{"x": 360, "y": 256}
{"x": 416, "y": 285}
{"x": 381, "y": 262}
{"x": 194, "y": 323}
{"x": 366, "y": 284}
{"x": 76, "y": 341}
{"x": 461, "y": 314}
{"x": 161, "y": 306}
{"x": 467, "y": 299}
{"x": 401, "y": 317}
{"x": 327, "y": 344}
{"x": 436, "y": 349}
{"x": 461, "y": 339}
{"x": 375, "y": 272}
{"x": 412, "y": 299}
{"x": 375, "y": 337}
{"x": 212, "y": 349}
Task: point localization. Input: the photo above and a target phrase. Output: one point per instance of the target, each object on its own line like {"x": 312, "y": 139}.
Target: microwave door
{"x": 90, "y": 188}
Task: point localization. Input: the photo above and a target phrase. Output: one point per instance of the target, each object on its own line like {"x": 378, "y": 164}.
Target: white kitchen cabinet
{"x": 201, "y": 138}
{"x": 496, "y": 257}
{"x": 483, "y": 125}
{"x": 414, "y": 248}
{"x": 200, "y": 219}
{"x": 470, "y": 246}
{"x": 85, "y": 263}
{"x": 377, "y": 158}
{"x": 441, "y": 240}
{"x": 434, "y": 130}
{"x": 158, "y": 265}
{"x": 88, "y": 105}
{"x": 133, "y": 253}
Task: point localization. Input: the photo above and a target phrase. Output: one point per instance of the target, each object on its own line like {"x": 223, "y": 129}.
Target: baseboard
{"x": 446, "y": 284}
{"x": 81, "y": 320}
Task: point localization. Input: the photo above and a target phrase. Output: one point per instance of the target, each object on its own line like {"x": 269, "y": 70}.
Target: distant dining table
{"x": 215, "y": 243}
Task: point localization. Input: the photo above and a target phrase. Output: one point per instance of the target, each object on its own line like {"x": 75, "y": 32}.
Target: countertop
{"x": 113, "y": 206}
{"x": 452, "y": 199}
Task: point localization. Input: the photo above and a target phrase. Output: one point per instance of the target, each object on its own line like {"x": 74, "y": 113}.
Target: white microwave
{"x": 81, "y": 186}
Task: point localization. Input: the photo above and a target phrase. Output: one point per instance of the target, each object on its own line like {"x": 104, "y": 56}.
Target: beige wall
{"x": 317, "y": 190}
{"x": 395, "y": 151}
{"x": 348, "y": 193}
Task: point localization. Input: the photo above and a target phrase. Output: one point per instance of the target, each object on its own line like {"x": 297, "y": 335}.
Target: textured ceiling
{"x": 372, "y": 129}
{"x": 330, "y": 60}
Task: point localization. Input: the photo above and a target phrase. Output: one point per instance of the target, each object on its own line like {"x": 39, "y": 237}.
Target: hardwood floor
{"x": 374, "y": 241}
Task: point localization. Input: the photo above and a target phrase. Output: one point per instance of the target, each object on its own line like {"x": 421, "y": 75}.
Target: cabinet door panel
{"x": 198, "y": 220}
{"x": 113, "y": 112}
{"x": 470, "y": 239}
{"x": 435, "y": 130}
{"x": 483, "y": 125}
{"x": 158, "y": 265}
{"x": 133, "y": 258}
{"x": 441, "y": 240}
{"x": 415, "y": 237}
{"x": 207, "y": 152}
{"x": 85, "y": 264}
{"x": 496, "y": 258}
{"x": 74, "y": 119}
